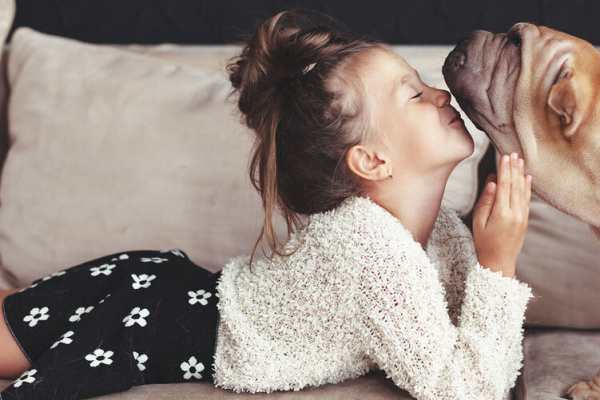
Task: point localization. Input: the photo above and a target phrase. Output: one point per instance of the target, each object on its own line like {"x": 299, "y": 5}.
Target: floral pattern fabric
{"x": 103, "y": 326}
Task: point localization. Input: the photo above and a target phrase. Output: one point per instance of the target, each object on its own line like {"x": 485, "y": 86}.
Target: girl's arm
{"x": 408, "y": 332}
{"x": 461, "y": 255}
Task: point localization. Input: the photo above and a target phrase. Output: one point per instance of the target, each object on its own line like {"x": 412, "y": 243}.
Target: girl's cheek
{"x": 424, "y": 113}
{"x": 432, "y": 113}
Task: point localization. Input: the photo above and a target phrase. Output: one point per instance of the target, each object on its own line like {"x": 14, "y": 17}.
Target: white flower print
{"x": 79, "y": 313}
{"x": 142, "y": 281}
{"x": 136, "y": 316}
{"x": 141, "y": 360}
{"x": 64, "y": 338}
{"x": 105, "y": 297}
{"x": 157, "y": 260}
{"x": 36, "y": 314}
{"x": 199, "y": 296}
{"x": 121, "y": 257}
{"x": 192, "y": 368}
{"x": 59, "y": 273}
{"x": 99, "y": 356}
{"x": 177, "y": 252}
{"x": 26, "y": 377}
{"x": 105, "y": 269}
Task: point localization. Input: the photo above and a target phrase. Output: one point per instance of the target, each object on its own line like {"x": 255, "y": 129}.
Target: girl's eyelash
{"x": 417, "y": 95}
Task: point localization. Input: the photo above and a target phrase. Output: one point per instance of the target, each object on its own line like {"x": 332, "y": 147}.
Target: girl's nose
{"x": 441, "y": 97}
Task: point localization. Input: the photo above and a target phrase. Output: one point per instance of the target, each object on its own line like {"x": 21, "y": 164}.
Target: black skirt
{"x": 126, "y": 319}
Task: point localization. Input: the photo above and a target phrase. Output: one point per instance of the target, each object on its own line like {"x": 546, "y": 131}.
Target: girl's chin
{"x": 464, "y": 140}
{"x": 470, "y": 146}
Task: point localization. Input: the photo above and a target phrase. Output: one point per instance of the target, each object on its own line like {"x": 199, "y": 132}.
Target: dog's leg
{"x": 596, "y": 230}
{"x": 586, "y": 390}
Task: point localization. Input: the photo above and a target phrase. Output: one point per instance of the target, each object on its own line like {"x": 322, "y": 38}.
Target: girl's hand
{"x": 501, "y": 215}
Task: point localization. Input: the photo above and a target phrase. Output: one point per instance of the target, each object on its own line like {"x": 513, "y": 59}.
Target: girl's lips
{"x": 453, "y": 116}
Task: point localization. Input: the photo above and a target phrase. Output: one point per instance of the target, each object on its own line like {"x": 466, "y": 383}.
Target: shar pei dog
{"x": 536, "y": 91}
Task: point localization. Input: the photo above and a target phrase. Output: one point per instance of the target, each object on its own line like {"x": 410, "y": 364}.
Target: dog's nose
{"x": 458, "y": 57}
{"x": 454, "y": 61}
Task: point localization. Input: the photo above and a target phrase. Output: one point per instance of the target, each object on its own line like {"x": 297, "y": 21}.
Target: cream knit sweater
{"x": 361, "y": 293}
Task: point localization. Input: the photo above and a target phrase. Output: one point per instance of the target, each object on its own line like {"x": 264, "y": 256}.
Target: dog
{"x": 536, "y": 91}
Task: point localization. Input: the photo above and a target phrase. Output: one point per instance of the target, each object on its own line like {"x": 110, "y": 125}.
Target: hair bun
{"x": 282, "y": 48}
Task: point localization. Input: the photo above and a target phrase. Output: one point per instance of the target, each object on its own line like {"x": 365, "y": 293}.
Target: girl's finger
{"x": 522, "y": 187}
{"x": 529, "y": 179}
{"x": 503, "y": 188}
{"x": 515, "y": 189}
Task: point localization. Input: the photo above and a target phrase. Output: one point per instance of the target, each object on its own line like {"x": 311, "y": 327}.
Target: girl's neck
{"x": 416, "y": 204}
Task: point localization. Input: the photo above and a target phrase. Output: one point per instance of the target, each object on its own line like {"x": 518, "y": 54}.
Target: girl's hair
{"x": 300, "y": 92}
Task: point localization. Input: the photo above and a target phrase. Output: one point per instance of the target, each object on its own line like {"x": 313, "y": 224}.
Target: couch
{"x": 106, "y": 148}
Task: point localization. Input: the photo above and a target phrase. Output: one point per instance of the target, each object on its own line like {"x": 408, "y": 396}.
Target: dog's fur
{"x": 536, "y": 91}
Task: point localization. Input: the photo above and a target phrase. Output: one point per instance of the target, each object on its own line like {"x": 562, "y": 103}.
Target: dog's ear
{"x": 563, "y": 101}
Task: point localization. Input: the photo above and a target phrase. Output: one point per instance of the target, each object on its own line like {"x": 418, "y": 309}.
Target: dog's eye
{"x": 515, "y": 38}
{"x": 562, "y": 119}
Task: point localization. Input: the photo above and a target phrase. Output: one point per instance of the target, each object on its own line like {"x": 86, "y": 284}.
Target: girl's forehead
{"x": 402, "y": 63}
{"x": 380, "y": 70}
{"x": 389, "y": 61}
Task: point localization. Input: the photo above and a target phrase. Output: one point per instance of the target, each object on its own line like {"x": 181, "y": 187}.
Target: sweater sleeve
{"x": 408, "y": 332}
{"x": 454, "y": 242}
{"x": 461, "y": 256}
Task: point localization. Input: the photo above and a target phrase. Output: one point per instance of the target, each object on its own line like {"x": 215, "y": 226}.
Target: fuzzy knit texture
{"x": 362, "y": 293}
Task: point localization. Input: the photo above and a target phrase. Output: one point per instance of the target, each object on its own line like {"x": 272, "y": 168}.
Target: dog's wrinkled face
{"x": 535, "y": 91}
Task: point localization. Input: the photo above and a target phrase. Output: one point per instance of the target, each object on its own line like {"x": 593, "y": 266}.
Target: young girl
{"x": 382, "y": 275}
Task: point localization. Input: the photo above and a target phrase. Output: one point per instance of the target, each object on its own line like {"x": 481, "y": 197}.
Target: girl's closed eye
{"x": 416, "y": 96}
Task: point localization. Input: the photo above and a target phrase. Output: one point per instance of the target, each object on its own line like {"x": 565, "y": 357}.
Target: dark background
{"x": 225, "y": 21}
{"x": 221, "y": 22}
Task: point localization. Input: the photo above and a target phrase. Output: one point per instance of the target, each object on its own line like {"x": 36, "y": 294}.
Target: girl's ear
{"x": 563, "y": 102}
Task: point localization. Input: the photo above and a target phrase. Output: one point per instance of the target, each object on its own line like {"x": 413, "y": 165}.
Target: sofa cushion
{"x": 112, "y": 149}
{"x": 372, "y": 386}
{"x": 555, "y": 359}
{"x": 559, "y": 260}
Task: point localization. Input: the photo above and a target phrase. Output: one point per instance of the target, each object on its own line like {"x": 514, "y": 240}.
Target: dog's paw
{"x": 596, "y": 230}
{"x": 584, "y": 390}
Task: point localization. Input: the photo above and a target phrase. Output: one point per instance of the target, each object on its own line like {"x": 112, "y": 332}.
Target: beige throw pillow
{"x": 113, "y": 150}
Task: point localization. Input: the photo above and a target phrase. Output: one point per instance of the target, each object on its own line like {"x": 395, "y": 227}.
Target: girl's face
{"x": 417, "y": 130}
